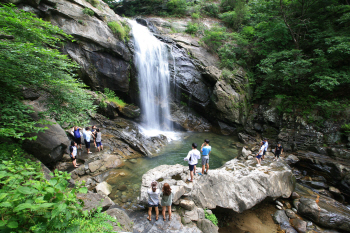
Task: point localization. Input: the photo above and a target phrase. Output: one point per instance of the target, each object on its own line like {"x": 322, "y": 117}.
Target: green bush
{"x": 211, "y": 217}
{"x": 192, "y": 28}
{"x": 120, "y": 29}
{"x": 30, "y": 203}
{"x": 226, "y": 74}
{"x": 32, "y": 60}
{"x": 177, "y": 7}
{"x": 195, "y": 15}
{"x": 215, "y": 37}
{"x": 111, "y": 96}
{"x": 211, "y": 9}
{"x": 88, "y": 11}
{"x": 94, "y": 3}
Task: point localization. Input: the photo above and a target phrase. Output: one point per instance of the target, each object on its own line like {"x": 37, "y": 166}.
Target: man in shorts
{"x": 278, "y": 151}
{"x": 192, "y": 158}
{"x": 77, "y": 136}
{"x": 87, "y": 137}
{"x": 260, "y": 154}
{"x": 266, "y": 144}
{"x": 205, "y": 149}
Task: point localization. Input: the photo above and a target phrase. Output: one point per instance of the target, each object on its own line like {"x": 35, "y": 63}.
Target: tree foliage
{"x": 30, "y": 203}
{"x": 29, "y": 58}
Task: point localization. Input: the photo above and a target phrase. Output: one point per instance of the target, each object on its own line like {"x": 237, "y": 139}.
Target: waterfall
{"x": 151, "y": 61}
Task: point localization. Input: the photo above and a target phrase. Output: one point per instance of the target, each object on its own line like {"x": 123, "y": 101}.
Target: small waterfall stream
{"x": 151, "y": 60}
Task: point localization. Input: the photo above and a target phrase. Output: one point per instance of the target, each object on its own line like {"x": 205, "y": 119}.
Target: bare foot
{"x": 149, "y": 219}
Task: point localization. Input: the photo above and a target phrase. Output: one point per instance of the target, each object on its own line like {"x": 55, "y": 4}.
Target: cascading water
{"x": 151, "y": 60}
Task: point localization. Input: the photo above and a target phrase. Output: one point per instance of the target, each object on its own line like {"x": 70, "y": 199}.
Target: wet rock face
{"x": 322, "y": 210}
{"x": 335, "y": 171}
{"x": 102, "y": 56}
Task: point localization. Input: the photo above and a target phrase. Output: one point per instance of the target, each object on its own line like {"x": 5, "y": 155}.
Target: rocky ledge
{"x": 237, "y": 185}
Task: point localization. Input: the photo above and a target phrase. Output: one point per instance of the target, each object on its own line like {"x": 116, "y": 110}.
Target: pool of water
{"x": 126, "y": 181}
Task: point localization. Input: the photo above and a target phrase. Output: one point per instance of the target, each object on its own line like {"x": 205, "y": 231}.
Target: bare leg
{"x": 194, "y": 170}
{"x": 163, "y": 212}
{"x": 157, "y": 212}
{"x": 203, "y": 166}
{"x": 191, "y": 173}
{"x": 169, "y": 212}
{"x": 149, "y": 213}
{"x": 207, "y": 167}
{"x": 101, "y": 147}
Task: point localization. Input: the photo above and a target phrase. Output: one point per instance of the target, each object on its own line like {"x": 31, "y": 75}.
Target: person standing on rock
{"x": 73, "y": 153}
{"x": 205, "y": 149}
{"x": 87, "y": 137}
{"x": 153, "y": 200}
{"x": 192, "y": 158}
{"x": 278, "y": 151}
{"x": 266, "y": 144}
{"x": 93, "y": 133}
{"x": 98, "y": 140}
{"x": 167, "y": 199}
{"x": 77, "y": 136}
{"x": 260, "y": 154}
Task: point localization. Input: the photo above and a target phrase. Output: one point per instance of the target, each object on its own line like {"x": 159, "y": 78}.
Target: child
{"x": 93, "y": 133}
{"x": 205, "y": 149}
{"x": 73, "y": 153}
{"x": 98, "y": 140}
{"x": 153, "y": 200}
{"x": 278, "y": 151}
{"x": 167, "y": 199}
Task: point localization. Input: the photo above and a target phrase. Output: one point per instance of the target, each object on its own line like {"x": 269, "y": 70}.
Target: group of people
{"x": 194, "y": 155}
{"x": 93, "y": 135}
{"x": 166, "y": 195}
{"x": 263, "y": 148}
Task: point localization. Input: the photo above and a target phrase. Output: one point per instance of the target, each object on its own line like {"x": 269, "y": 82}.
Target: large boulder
{"x": 49, "y": 145}
{"x": 237, "y": 185}
{"x": 240, "y": 185}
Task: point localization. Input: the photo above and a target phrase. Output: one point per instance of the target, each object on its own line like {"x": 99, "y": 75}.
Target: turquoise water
{"x": 173, "y": 153}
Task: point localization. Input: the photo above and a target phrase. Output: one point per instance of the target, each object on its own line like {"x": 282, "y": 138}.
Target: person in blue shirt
{"x": 77, "y": 136}
{"x": 205, "y": 149}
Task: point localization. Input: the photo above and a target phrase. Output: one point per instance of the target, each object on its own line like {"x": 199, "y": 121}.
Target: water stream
{"x": 151, "y": 60}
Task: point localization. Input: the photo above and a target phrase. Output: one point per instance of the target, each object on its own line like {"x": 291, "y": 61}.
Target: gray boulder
{"x": 125, "y": 223}
{"x": 281, "y": 218}
{"x": 94, "y": 200}
{"x": 206, "y": 226}
{"x": 50, "y": 145}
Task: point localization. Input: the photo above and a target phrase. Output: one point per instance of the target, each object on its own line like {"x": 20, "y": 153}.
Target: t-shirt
{"x": 261, "y": 151}
{"x": 98, "y": 136}
{"x": 87, "y": 135}
{"x": 206, "y": 150}
{"x": 193, "y": 156}
{"x": 266, "y": 144}
{"x": 77, "y": 133}
{"x": 153, "y": 197}
{"x": 166, "y": 200}
{"x": 278, "y": 149}
{"x": 73, "y": 149}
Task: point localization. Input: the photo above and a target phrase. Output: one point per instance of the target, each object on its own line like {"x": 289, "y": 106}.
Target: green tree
{"x": 29, "y": 58}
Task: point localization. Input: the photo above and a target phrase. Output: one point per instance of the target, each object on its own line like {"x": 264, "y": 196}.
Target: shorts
{"x": 77, "y": 141}
{"x": 277, "y": 154}
{"x": 191, "y": 167}
{"x": 205, "y": 159}
{"x": 259, "y": 156}
{"x": 149, "y": 205}
{"x": 73, "y": 158}
{"x": 98, "y": 144}
{"x": 87, "y": 144}
{"x": 264, "y": 152}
